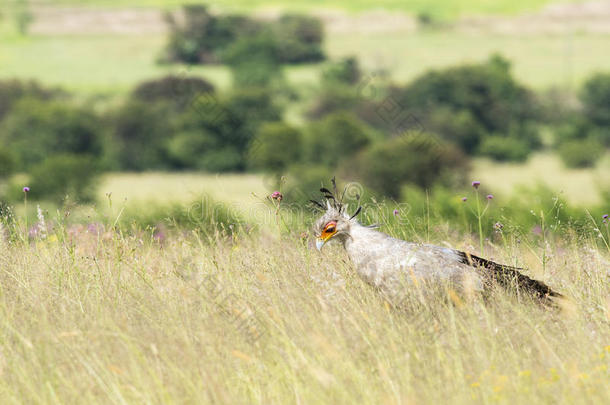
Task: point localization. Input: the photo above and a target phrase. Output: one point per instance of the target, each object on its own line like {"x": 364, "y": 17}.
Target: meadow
{"x": 96, "y": 314}
{"x": 111, "y": 64}
{"x": 440, "y": 8}
{"x": 194, "y": 288}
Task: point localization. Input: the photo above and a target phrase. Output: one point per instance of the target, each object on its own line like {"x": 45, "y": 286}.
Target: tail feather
{"x": 510, "y": 277}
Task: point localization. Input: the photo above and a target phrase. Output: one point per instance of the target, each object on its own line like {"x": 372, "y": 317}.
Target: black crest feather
{"x": 335, "y": 201}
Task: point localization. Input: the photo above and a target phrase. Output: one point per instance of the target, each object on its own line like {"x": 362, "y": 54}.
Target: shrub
{"x": 486, "y": 91}
{"x": 303, "y": 182}
{"x": 61, "y": 175}
{"x": 275, "y": 147}
{"x": 576, "y": 127}
{"x": 12, "y": 91}
{"x": 7, "y": 163}
{"x": 420, "y": 159}
{"x": 595, "y": 96}
{"x": 223, "y": 159}
{"x": 255, "y": 60}
{"x": 140, "y": 132}
{"x": 202, "y": 214}
{"x": 228, "y": 125}
{"x": 197, "y": 36}
{"x": 200, "y": 37}
{"x": 504, "y": 148}
{"x": 35, "y": 129}
{"x": 186, "y": 149}
{"x": 336, "y": 137}
{"x": 301, "y": 39}
{"x": 346, "y": 71}
{"x": 333, "y": 98}
{"x": 580, "y": 153}
{"x": 179, "y": 91}
{"x": 459, "y": 127}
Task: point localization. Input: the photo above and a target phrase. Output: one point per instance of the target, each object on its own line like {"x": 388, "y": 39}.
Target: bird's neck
{"x": 359, "y": 239}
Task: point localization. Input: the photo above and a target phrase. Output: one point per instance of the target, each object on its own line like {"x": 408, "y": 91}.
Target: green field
{"x": 439, "y": 8}
{"x": 91, "y": 315}
{"x": 113, "y": 64}
{"x": 577, "y": 186}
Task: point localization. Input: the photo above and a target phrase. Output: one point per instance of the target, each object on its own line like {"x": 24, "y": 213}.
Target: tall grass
{"x": 111, "y": 317}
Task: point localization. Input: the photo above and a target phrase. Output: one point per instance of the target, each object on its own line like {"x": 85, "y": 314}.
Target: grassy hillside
{"x": 112, "y": 64}
{"x": 577, "y": 186}
{"x": 97, "y": 317}
{"x": 439, "y": 8}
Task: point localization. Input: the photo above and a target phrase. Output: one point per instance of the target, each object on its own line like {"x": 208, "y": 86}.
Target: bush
{"x": 140, "y": 132}
{"x": 505, "y": 148}
{"x": 303, "y": 182}
{"x": 275, "y": 147}
{"x": 595, "y": 96}
{"x": 459, "y": 127}
{"x": 301, "y": 39}
{"x": 346, "y": 71}
{"x": 36, "y": 129}
{"x": 7, "y": 163}
{"x": 12, "y": 91}
{"x": 62, "y": 175}
{"x": 575, "y": 127}
{"x": 486, "y": 91}
{"x": 255, "y": 61}
{"x": 333, "y": 98}
{"x": 420, "y": 159}
{"x": 226, "y": 126}
{"x": 224, "y": 159}
{"x": 186, "y": 149}
{"x": 337, "y": 137}
{"x": 202, "y": 214}
{"x": 176, "y": 90}
{"x": 581, "y": 153}
{"x": 200, "y": 37}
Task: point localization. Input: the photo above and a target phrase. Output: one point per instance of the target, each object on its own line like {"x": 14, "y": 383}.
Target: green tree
{"x": 254, "y": 60}
{"x": 276, "y": 146}
{"x": 483, "y": 96}
{"x": 581, "y": 153}
{"x": 35, "y": 129}
{"x": 336, "y": 137}
{"x": 301, "y": 38}
{"x": 417, "y": 158}
{"x": 595, "y": 96}
{"x": 61, "y": 175}
{"x": 11, "y": 91}
{"x": 140, "y": 132}
{"x": 175, "y": 90}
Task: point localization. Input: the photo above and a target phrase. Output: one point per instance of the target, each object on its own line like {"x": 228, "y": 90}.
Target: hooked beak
{"x": 322, "y": 239}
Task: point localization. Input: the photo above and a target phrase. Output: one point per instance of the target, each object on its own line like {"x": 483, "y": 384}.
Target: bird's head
{"x": 334, "y": 223}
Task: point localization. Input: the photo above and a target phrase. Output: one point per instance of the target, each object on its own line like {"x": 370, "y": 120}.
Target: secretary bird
{"x": 387, "y": 263}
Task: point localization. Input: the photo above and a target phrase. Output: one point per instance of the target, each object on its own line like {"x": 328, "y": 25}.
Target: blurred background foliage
{"x": 354, "y": 122}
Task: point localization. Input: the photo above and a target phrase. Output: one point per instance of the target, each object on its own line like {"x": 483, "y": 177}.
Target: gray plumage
{"x": 388, "y": 263}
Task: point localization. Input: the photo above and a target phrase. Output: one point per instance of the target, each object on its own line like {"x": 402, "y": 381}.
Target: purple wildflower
{"x": 395, "y": 213}
{"x": 476, "y": 184}
{"x": 26, "y": 189}
{"x": 464, "y": 199}
{"x": 276, "y": 195}
{"x": 537, "y": 230}
{"x": 605, "y": 216}
{"x": 490, "y": 196}
{"x": 498, "y": 226}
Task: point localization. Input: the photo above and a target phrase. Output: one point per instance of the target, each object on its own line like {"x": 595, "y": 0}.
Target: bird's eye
{"x": 330, "y": 227}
